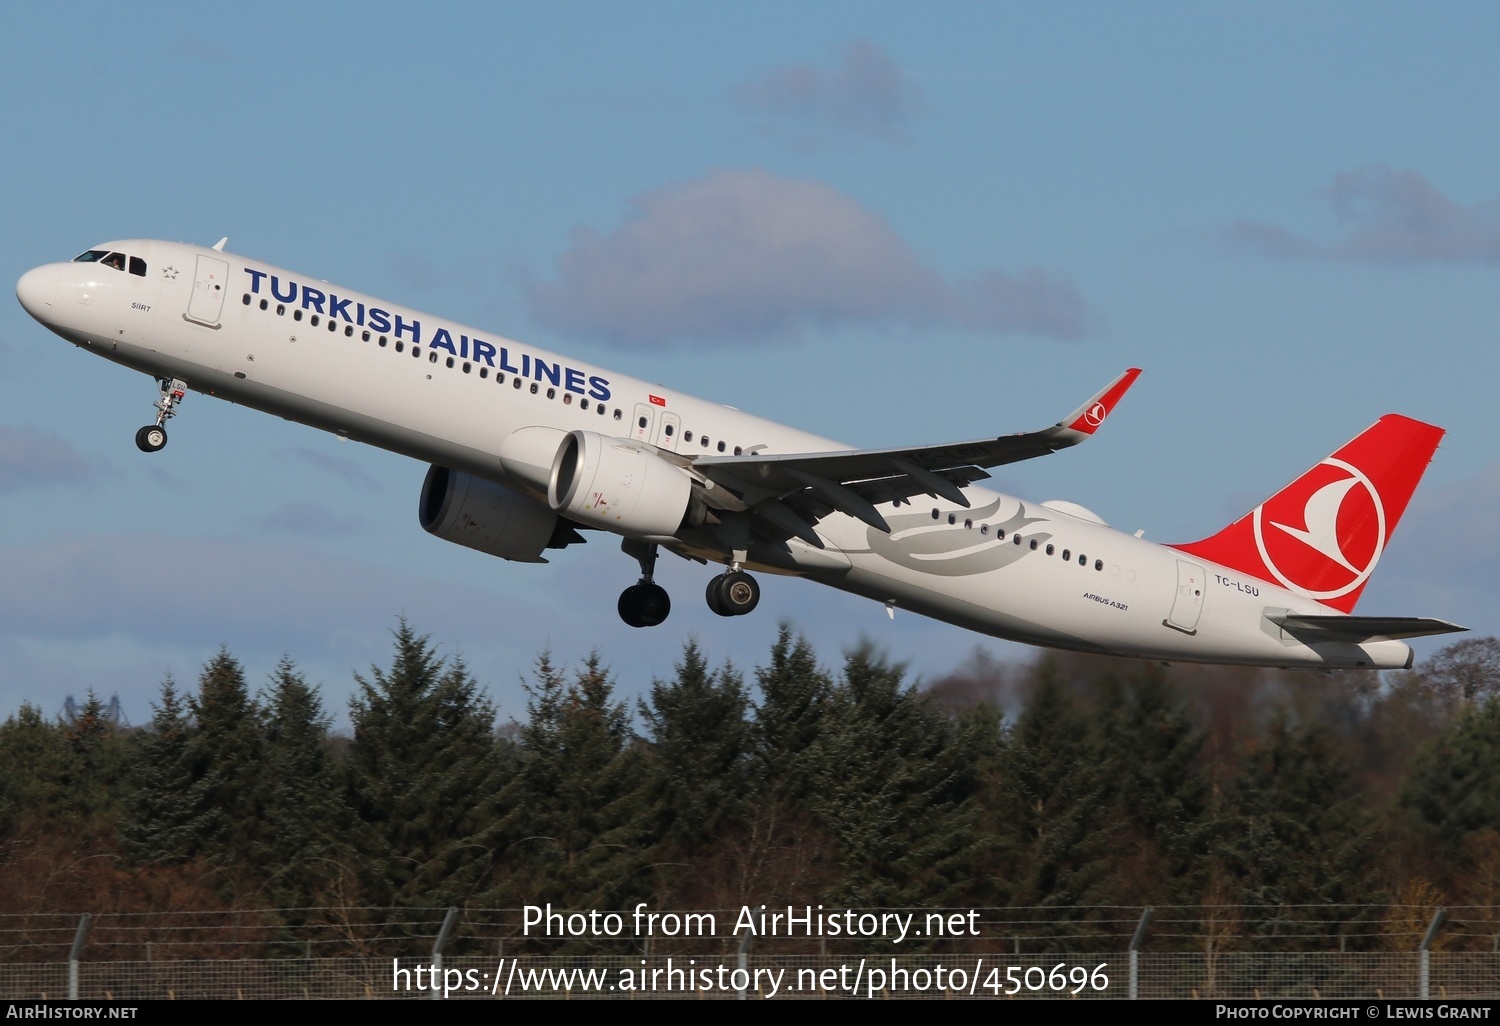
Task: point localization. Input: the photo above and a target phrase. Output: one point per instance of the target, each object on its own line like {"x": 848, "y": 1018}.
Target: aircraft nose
{"x": 36, "y": 291}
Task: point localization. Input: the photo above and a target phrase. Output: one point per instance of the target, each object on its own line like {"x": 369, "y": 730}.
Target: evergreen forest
{"x": 1069, "y": 787}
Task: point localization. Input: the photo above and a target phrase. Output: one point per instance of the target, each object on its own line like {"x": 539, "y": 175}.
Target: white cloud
{"x": 747, "y": 255}
{"x": 32, "y": 459}
{"x": 1388, "y": 215}
{"x": 867, "y": 95}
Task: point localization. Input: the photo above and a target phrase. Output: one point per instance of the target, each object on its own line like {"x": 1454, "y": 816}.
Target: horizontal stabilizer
{"x": 1363, "y": 628}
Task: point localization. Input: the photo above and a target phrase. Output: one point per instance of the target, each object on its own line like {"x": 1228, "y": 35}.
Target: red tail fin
{"x": 1322, "y": 535}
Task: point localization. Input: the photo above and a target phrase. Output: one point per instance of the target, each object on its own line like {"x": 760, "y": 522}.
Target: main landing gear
{"x": 154, "y": 436}
{"x": 732, "y": 594}
{"x": 646, "y": 604}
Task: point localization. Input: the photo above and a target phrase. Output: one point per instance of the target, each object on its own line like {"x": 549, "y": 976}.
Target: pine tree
{"x": 168, "y": 818}
{"x": 795, "y": 694}
{"x": 422, "y": 772}
{"x": 1294, "y": 832}
{"x": 896, "y": 789}
{"x": 1454, "y": 781}
{"x": 1150, "y": 751}
{"x": 306, "y": 822}
{"x": 1051, "y": 800}
{"x": 576, "y": 826}
{"x": 225, "y": 753}
{"x": 700, "y": 746}
{"x": 35, "y": 766}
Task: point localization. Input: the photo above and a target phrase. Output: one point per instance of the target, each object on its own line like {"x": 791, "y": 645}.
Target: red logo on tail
{"x": 1324, "y": 535}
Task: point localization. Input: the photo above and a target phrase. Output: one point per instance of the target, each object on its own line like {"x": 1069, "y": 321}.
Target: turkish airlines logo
{"x": 1323, "y": 534}
{"x": 1096, "y": 414}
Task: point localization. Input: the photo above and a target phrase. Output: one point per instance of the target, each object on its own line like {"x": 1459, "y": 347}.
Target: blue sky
{"x": 1288, "y": 214}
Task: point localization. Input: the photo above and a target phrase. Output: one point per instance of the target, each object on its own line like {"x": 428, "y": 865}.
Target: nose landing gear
{"x": 153, "y": 437}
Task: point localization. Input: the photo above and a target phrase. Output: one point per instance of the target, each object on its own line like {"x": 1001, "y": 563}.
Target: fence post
{"x": 1135, "y": 952}
{"x": 444, "y": 932}
{"x": 74, "y": 955}
{"x": 1426, "y": 951}
{"x": 743, "y": 959}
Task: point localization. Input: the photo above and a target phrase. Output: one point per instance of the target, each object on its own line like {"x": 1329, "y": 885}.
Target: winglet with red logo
{"x": 1322, "y": 535}
{"x": 1087, "y": 418}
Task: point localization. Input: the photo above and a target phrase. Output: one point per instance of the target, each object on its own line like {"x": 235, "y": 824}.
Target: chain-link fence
{"x": 1333, "y": 952}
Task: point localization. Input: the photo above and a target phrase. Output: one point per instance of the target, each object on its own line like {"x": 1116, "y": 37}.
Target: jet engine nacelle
{"x": 619, "y": 485}
{"x": 490, "y": 517}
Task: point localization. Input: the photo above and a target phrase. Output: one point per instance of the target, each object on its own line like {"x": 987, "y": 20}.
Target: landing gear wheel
{"x": 644, "y": 605}
{"x": 714, "y": 598}
{"x": 151, "y": 438}
{"x": 733, "y": 594}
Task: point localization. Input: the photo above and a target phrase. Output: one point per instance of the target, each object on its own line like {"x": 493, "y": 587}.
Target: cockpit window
{"x": 90, "y": 257}
{"x": 115, "y": 260}
{"x": 138, "y": 267}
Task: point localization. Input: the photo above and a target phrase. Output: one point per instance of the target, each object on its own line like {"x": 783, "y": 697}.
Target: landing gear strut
{"x": 645, "y": 603}
{"x": 733, "y": 594}
{"x": 154, "y": 436}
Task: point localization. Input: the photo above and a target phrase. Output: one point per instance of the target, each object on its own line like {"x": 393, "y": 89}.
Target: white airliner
{"x": 528, "y": 448}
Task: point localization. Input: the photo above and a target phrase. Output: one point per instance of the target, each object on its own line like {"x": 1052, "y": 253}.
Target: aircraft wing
{"x": 795, "y": 490}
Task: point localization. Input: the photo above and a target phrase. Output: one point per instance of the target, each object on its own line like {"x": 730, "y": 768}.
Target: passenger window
{"x": 643, "y": 422}
{"x": 297, "y": 314}
{"x": 1050, "y": 548}
{"x": 1017, "y": 540}
{"x": 400, "y": 346}
{"x": 667, "y": 429}
{"x": 1033, "y": 545}
{"x": 1099, "y": 565}
{"x": 999, "y": 534}
{"x": 952, "y": 518}
{"x": 1083, "y": 560}
{"x": 551, "y": 393}
{"x": 533, "y": 388}
{"x": 737, "y": 450}
{"x": 721, "y": 446}
{"x": 619, "y": 413}
{"x": 448, "y": 362}
{"x": 968, "y": 525}
{"x": 333, "y": 326}
{"x": 583, "y": 404}
{"x": 349, "y": 331}
{"x": 138, "y": 268}
{"x": 703, "y": 441}
{"x": 364, "y": 336}
{"x": 432, "y": 357}
{"x": 567, "y": 398}
{"x": 1067, "y": 555}
{"x": 935, "y": 513}
{"x": 984, "y": 528}
{"x": 264, "y": 304}
{"x": 484, "y": 372}
{"x": 246, "y": 300}
{"x": 280, "y": 310}
{"x": 516, "y": 382}
{"x": 313, "y": 320}
{"x": 468, "y": 367}
{"x": 687, "y": 436}
{"x": 382, "y": 341}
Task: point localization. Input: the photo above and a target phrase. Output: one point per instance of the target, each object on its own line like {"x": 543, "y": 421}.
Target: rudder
{"x": 1322, "y": 535}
